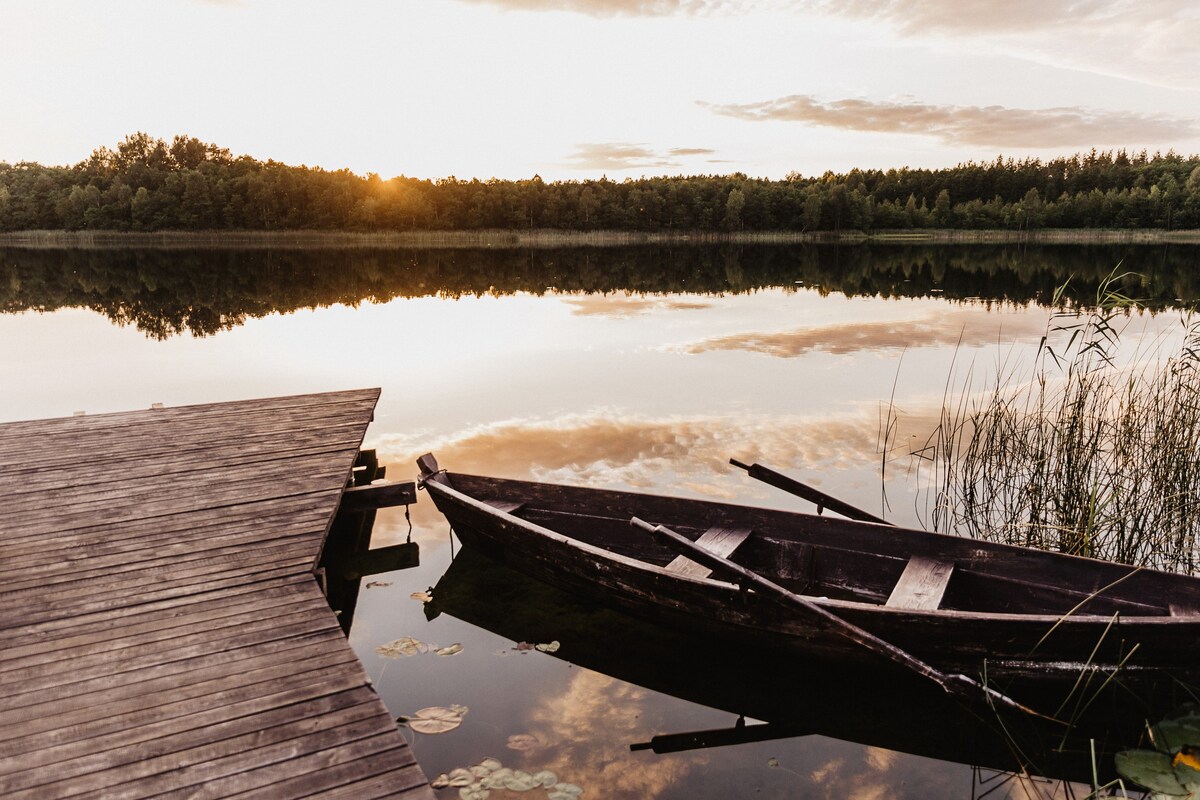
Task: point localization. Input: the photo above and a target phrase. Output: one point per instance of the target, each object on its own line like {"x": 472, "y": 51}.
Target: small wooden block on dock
{"x": 922, "y": 584}
{"x": 719, "y": 541}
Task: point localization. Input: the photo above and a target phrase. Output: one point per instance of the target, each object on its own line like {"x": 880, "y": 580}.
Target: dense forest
{"x": 169, "y": 292}
{"x": 147, "y": 184}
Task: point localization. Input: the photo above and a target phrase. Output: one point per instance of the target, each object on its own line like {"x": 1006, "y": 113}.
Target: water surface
{"x": 633, "y": 368}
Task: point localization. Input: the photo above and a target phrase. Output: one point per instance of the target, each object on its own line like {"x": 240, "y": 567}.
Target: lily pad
{"x": 491, "y": 764}
{"x": 474, "y": 792}
{"x": 521, "y": 781}
{"x": 497, "y": 778}
{"x": 405, "y": 646}
{"x": 1150, "y": 769}
{"x": 546, "y": 778}
{"x": 549, "y": 647}
{"x": 460, "y": 777}
{"x": 564, "y": 791}
{"x": 436, "y": 719}
{"x": 1172, "y": 735}
{"x": 449, "y": 650}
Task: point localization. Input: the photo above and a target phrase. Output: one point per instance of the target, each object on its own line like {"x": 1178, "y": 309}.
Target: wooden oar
{"x": 959, "y": 686}
{"x": 793, "y": 486}
{"x": 720, "y": 737}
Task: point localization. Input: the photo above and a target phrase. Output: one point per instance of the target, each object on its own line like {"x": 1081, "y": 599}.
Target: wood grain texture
{"x": 922, "y": 584}
{"x": 162, "y": 631}
{"x": 718, "y": 541}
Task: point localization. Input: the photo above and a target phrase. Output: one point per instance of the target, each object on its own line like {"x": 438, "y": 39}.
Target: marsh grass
{"x": 1091, "y": 455}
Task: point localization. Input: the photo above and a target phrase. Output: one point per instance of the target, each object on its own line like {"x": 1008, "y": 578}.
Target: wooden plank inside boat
{"x": 718, "y": 541}
{"x": 922, "y": 585}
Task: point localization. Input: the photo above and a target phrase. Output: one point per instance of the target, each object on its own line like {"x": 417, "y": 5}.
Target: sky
{"x": 577, "y": 89}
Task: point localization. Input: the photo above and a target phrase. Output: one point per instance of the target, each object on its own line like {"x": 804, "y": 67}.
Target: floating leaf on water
{"x": 460, "y": 777}
{"x": 549, "y": 647}
{"x": 1186, "y": 757}
{"x": 436, "y": 719}
{"x": 1187, "y": 769}
{"x": 406, "y": 646}
{"x": 497, "y": 778}
{"x": 546, "y": 778}
{"x": 480, "y": 772}
{"x": 460, "y": 710}
{"x": 474, "y": 792}
{"x": 449, "y": 650}
{"x": 1150, "y": 769}
{"x": 772, "y": 762}
{"x": 523, "y": 742}
{"x": 440, "y": 782}
{"x": 491, "y": 764}
{"x": 520, "y": 781}
{"x": 1172, "y": 735}
{"x": 374, "y": 584}
{"x": 564, "y": 791}
{"x": 424, "y": 597}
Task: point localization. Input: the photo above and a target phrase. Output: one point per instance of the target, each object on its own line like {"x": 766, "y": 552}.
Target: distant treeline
{"x": 147, "y": 184}
{"x": 169, "y": 292}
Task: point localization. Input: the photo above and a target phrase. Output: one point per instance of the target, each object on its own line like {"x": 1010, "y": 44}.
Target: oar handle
{"x": 812, "y": 494}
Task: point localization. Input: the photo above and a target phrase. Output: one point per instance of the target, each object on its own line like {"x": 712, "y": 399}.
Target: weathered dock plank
{"x": 163, "y": 633}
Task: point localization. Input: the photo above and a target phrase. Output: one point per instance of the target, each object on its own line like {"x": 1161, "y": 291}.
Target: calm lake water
{"x": 640, "y": 368}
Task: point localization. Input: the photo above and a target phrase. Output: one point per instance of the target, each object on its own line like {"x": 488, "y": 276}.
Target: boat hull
{"x": 994, "y": 646}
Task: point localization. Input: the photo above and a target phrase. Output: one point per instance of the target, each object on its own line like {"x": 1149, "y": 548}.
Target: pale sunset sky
{"x": 575, "y": 89}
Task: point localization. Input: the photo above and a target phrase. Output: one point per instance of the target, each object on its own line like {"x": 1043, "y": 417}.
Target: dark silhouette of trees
{"x": 147, "y": 184}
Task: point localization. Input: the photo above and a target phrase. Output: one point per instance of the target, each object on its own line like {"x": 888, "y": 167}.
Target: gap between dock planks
{"x": 163, "y": 633}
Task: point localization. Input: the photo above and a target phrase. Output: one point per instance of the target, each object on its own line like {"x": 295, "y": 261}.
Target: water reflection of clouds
{"x": 586, "y": 730}
{"x": 677, "y": 455}
{"x": 600, "y": 305}
{"x": 948, "y": 329}
{"x": 605, "y": 448}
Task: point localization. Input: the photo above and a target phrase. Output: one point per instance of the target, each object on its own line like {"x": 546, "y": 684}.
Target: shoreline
{"x": 549, "y": 238}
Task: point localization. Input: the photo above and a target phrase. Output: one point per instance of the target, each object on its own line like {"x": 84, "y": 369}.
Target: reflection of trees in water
{"x": 168, "y": 292}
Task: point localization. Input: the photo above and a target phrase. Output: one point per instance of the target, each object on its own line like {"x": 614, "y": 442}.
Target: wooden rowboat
{"x": 810, "y": 584}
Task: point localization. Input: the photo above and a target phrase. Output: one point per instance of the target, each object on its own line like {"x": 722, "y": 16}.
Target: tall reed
{"x": 1091, "y": 455}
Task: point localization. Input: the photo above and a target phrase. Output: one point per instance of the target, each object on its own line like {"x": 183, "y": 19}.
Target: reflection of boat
{"x": 962, "y": 605}
{"x": 880, "y": 706}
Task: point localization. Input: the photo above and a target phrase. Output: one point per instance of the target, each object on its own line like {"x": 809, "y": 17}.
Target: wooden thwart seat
{"x": 719, "y": 541}
{"x": 922, "y": 584}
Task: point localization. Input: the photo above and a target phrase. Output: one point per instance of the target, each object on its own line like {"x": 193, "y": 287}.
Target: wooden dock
{"x": 162, "y": 632}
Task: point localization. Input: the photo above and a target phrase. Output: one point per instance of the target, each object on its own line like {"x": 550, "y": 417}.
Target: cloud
{"x": 944, "y": 330}
{"x": 614, "y": 8}
{"x": 1153, "y": 41}
{"x": 613, "y": 156}
{"x": 1070, "y": 126}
